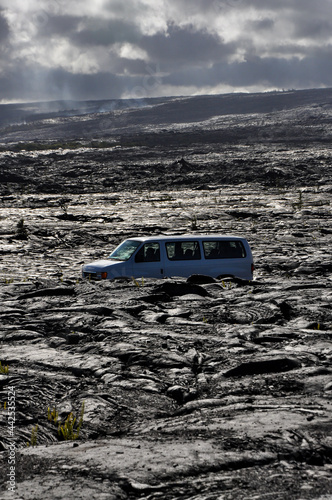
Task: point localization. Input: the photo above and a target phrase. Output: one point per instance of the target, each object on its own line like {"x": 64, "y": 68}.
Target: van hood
{"x": 99, "y": 265}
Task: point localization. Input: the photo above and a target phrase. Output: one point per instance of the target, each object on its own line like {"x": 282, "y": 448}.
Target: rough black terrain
{"x": 192, "y": 389}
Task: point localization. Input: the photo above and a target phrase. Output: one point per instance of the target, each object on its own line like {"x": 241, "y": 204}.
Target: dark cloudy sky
{"x": 100, "y": 49}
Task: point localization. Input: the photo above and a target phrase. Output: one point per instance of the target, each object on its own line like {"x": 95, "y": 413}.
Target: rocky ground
{"x": 197, "y": 389}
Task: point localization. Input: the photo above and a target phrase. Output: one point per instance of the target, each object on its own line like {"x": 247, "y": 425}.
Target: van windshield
{"x": 125, "y": 250}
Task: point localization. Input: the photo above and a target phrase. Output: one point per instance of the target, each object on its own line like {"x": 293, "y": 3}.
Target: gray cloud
{"x": 89, "y": 31}
{"x": 106, "y": 33}
{"x": 38, "y": 83}
{"x": 4, "y": 28}
{"x": 61, "y": 25}
{"x": 283, "y": 5}
{"x": 77, "y": 49}
{"x": 269, "y": 72}
{"x": 261, "y": 24}
{"x": 186, "y": 46}
{"x": 313, "y": 28}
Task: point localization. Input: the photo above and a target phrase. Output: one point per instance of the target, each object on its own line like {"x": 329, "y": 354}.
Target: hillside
{"x": 292, "y": 115}
{"x": 200, "y": 389}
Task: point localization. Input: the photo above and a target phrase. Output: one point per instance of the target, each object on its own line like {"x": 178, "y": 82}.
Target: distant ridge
{"x": 100, "y": 119}
{"x": 195, "y": 107}
{"x": 16, "y": 113}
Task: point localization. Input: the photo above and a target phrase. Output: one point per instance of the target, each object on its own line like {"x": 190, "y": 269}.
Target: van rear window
{"x": 183, "y": 250}
{"x": 224, "y": 249}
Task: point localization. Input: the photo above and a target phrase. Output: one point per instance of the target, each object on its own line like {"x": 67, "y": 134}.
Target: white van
{"x": 169, "y": 256}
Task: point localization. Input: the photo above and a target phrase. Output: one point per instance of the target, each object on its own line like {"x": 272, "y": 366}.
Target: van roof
{"x": 185, "y": 237}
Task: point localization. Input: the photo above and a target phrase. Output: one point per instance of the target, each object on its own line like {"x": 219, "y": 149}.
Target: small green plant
{"x": 67, "y": 431}
{"x": 33, "y": 439}
{"x": 53, "y": 415}
{"x": 4, "y": 369}
{"x": 137, "y": 283}
{"x": 8, "y": 281}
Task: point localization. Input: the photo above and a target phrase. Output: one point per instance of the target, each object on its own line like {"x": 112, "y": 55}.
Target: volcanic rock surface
{"x": 198, "y": 388}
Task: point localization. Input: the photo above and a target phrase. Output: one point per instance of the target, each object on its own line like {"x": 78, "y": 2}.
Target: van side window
{"x": 223, "y": 250}
{"x": 150, "y": 252}
{"x": 183, "y": 250}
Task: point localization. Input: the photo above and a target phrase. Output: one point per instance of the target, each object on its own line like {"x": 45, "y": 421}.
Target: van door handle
{"x": 161, "y": 271}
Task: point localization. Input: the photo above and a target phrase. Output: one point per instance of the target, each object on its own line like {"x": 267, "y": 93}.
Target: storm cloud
{"x": 52, "y": 49}
{"x": 4, "y": 28}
